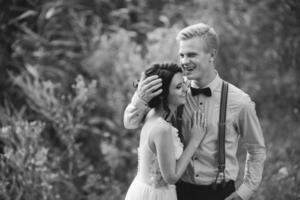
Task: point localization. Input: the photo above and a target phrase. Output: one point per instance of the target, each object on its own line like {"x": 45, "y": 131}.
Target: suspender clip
{"x": 221, "y": 167}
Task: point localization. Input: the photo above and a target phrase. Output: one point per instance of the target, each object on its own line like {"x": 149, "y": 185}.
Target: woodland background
{"x": 66, "y": 74}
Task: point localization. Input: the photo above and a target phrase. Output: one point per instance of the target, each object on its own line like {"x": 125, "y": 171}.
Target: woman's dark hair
{"x": 165, "y": 71}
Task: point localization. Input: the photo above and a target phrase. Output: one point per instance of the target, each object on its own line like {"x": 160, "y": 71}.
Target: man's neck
{"x": 206, "y": 80}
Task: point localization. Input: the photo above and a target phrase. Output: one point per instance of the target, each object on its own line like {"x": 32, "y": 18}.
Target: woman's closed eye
{"x": 179, "y": 86}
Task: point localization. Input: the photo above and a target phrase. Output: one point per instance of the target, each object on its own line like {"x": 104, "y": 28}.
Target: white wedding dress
{"x": 149, "y": 183}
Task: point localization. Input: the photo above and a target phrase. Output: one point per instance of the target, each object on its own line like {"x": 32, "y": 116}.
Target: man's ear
{"x": 213, "y": 55}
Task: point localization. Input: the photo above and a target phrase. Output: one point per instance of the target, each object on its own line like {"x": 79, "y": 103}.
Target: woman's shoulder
{"x": 157, "y": 126}
{"x": 158, "y": 123}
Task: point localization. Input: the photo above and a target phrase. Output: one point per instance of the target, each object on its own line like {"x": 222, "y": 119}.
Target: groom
{"x": 198, "y": 45}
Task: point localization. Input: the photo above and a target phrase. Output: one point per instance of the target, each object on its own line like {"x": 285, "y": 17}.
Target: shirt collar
{"x": 212, "y": 85}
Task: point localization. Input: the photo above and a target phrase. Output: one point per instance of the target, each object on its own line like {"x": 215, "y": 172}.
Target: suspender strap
{"x": 222, "y": 128}
{"x": 179, "y": 122}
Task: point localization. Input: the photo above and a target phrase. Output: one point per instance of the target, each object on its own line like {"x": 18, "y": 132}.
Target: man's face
{"x": 194, "y": 60}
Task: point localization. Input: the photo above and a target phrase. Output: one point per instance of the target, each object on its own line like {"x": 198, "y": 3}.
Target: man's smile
{"x": 188, "y": 69}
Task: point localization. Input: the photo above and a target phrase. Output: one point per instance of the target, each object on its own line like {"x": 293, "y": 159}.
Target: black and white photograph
{"x": 149, "y": 100}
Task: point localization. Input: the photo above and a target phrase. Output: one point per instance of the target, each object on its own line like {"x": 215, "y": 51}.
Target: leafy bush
{"x": 84, "y": 132}
{"x": 24, "y": 172}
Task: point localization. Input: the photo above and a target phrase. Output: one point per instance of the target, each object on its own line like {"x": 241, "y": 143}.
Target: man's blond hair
{"x": 202, "y": 31}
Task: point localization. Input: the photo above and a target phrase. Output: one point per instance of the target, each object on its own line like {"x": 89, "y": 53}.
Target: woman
{"x": 162, "y": 159}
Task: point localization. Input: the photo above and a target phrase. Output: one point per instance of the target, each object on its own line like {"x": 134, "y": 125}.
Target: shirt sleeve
{"x": 251, "y": 132}
{"x": 135, "y": 112}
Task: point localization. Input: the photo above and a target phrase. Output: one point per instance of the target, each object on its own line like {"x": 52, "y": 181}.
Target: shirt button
{"x": 201, "y": 103}
{"x": 197, "y": 175}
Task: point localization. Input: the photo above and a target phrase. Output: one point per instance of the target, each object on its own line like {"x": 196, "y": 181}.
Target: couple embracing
{"x": 191, "y": 128}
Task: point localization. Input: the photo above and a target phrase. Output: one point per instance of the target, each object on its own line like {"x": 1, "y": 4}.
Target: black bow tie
{"x": 204, "y": 91}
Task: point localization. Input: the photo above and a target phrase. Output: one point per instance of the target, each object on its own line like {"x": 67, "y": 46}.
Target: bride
{"x": 162, "y": 158}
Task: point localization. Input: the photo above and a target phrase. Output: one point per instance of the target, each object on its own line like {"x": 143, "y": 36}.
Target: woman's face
{"x": 177, "y": 90}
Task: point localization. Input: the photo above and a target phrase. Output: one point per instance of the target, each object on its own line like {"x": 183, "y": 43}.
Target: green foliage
{"x": 68, "y": 115}
{"x": 24, "y": 173}
{"x": 87, "y": 148}
{"x": 282, "y": 166}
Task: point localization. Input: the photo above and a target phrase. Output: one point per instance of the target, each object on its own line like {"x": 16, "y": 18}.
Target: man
{"x": 198, "y": 45}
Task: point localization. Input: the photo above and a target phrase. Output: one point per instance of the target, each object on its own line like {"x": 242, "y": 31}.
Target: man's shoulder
{"x": 237, "y": 95}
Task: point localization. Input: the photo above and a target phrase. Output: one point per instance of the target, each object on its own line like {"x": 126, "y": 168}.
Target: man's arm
{"x": 250, "y": 129}
{"x": 136, "y": 111}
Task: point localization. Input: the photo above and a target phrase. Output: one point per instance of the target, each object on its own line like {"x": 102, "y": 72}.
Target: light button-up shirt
{"x": 241, "y": 122}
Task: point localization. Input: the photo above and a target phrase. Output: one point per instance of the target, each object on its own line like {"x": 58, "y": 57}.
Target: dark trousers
{"x": 188, "y": 191}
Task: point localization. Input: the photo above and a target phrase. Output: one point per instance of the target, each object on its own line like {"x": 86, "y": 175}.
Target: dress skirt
{"x": 139, "y": 190}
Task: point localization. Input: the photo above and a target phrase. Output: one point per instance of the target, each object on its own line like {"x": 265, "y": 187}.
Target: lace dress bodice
{"x": 148, "y": 167}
